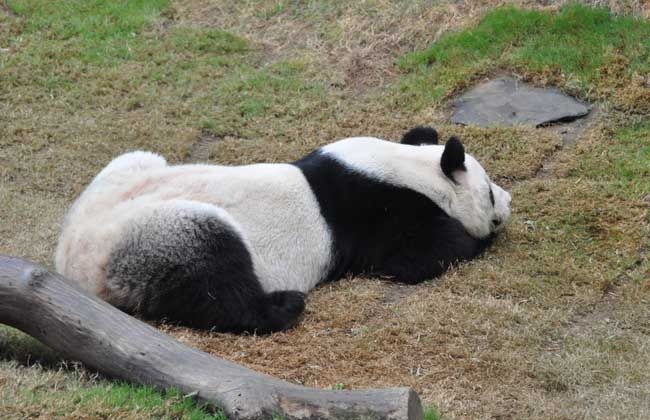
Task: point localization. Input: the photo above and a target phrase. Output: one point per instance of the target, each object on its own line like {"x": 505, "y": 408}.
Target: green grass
{"x": 146, "y": 400}
{"x": 432, "y": 413}
{"x": 625, "y": 162}
{"x": 58, "y": 393}
{"x": 102, "y": 38}
{"x": 115, "y": 399}
{"x": 278, "y": 89}
{"x": 581, "y": 47}
{"x": 104, "y": 29}
{"x": 116, "y": 58}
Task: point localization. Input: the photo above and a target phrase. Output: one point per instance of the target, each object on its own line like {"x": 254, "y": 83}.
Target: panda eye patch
{"x": 491, "y": 196}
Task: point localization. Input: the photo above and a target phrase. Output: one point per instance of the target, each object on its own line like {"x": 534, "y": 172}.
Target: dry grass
{"x": 352, "y": 46}
{"x": 552, "y": 322}
{"x": 516, "y": 334}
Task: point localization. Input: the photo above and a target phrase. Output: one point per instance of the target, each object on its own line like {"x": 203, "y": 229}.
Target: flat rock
{"x": 506, "y": 102}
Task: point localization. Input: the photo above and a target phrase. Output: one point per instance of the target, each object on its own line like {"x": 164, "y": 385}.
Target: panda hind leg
{"x": 132, "y": 162}
{"x": 280, "y": 310}
{"x": 185, "y": 263}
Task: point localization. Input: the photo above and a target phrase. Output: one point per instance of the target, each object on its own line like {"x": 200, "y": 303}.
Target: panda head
{"x": 467, "y": 192}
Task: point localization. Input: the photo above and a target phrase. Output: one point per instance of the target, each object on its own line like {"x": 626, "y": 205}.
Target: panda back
{"x": 272, "y": 205}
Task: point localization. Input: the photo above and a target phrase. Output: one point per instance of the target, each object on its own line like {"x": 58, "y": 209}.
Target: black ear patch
{"x": 420, "y": 135}
{"x": 453, "y": 157}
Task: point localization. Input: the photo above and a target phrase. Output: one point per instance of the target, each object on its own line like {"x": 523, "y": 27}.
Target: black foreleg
{"x": 428, "y": 253}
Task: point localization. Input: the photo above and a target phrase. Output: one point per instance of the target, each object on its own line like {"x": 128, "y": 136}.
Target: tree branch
{"x": 82, "y": 327}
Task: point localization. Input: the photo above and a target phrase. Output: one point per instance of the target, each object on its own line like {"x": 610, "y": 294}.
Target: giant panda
{"x": 234, "y": 248}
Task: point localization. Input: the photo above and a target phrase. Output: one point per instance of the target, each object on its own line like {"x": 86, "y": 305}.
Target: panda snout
{"x": 498, "y": 224}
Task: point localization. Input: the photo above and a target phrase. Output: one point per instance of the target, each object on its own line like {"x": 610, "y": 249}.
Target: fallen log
{"x": 82, "y": 327}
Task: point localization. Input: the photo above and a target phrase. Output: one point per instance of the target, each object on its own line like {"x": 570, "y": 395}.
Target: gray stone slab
{"x": 506, "y": 102}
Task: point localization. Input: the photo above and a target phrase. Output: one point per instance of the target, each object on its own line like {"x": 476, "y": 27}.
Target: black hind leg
{"x": 193, "y": 269}
{"x": 280, "y": 310}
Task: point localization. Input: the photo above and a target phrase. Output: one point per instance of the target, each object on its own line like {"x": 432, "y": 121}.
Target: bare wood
{"x": 82, "y": 327}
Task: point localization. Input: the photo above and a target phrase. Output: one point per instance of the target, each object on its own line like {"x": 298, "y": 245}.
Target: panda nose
{"x": 496, "y": 222}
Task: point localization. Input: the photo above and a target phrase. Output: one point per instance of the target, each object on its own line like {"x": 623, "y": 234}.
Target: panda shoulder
{"x": 370, "y": 155}
{"x": 354, "y": 145}
{"x": 360, "y": 150}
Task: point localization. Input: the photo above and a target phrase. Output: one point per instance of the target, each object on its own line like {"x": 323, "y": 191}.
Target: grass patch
{"x": 36, "y": 392}
{"x": 278, "y": 91}
{"x": 103, "y": 29}
{"x": 51, "y": 387}
{"x": 625, "y": 161}
{"x": 147, "y": 401}
{"x": 175, "y": 81}
{"x": 432, "y": 413}
{"x": 206, "y": 41}
{"x": 579, "y": 47}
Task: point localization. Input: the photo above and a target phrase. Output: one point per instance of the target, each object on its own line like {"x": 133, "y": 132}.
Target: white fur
{"x": 418, "y": 168}
{"x": 271, "y": 206}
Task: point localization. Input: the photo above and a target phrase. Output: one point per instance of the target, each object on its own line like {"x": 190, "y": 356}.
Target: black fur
{"x": 420, "y": 135}
{"x": 383, "y": 229}
{"x": 200, "y": 275}
{"x": 453, "y": 157}
{"x": 195, "y": 270}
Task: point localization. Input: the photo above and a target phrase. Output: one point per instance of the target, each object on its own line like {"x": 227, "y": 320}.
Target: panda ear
{"x": 420, "y": 135}
{"x": 453, "y": 158}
